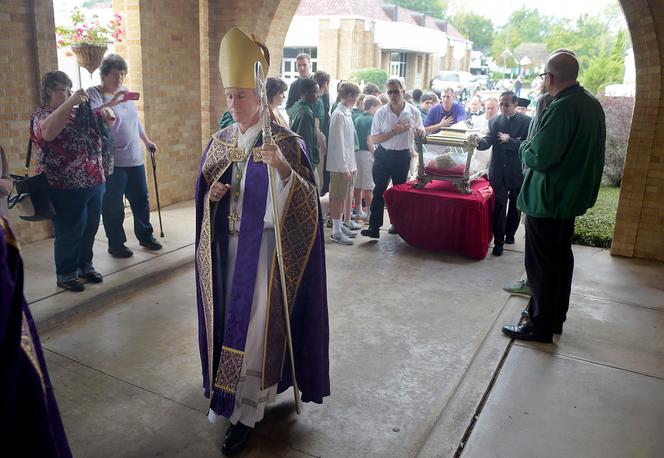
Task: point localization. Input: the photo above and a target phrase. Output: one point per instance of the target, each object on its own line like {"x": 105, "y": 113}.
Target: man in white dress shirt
{"x": 393, "y": 131}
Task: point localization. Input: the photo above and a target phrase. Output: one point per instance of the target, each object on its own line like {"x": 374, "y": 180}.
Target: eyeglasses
{"x": 394, "y": 91}
{"x": 542, "y": 75}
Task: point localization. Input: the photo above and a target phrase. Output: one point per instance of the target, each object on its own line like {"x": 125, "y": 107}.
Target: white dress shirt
{"x": 385, "y": 120}
{"x": 341, "y": 141}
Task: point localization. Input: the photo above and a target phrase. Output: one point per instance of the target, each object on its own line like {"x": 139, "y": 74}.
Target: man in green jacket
{"x": 564, "y": 160}
{"x": 302, "y": 118}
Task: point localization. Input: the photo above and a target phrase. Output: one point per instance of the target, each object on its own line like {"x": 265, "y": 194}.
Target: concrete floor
{"x": 415, "y": 344}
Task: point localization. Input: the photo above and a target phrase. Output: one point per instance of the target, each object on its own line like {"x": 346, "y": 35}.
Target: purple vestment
{"x": 30, "y": 423}
{"x": 222, "y": 327}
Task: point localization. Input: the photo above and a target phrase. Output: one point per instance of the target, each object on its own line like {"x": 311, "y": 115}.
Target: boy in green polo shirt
{"x": 364, "y": 155}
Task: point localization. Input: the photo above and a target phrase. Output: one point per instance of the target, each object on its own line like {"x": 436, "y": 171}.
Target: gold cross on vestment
{"x": 233, "y": 218}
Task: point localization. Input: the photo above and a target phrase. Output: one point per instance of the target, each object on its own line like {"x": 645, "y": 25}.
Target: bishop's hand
{"x": 218, "y": 190}
{"x": 272, "y": 156}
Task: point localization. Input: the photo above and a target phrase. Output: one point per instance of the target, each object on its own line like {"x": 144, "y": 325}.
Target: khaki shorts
{"x": 340, "y": 186}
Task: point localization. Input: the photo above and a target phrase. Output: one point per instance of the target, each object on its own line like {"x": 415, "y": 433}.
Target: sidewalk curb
{"x": 59, "y": 308}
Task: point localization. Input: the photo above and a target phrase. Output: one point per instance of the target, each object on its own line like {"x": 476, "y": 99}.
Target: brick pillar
{"x": 164, "y": 65}
{"x": 28, "y": 51}
{"x": 639, "y": 230}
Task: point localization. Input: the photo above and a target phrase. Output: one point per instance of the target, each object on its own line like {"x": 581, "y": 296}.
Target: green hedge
{"x": 595, "y": 228}
{"x": 378, "y": 76}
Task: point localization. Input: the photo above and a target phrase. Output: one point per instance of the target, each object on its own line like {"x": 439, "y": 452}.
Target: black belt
{"x": 394, "y": 150}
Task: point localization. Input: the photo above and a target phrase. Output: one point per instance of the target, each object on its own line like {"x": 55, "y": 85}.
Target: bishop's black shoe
{"x": 236, "y": 438}
{"x": 497, "y": 250}
{"x": 526, "y": 332}
{"x": 72, "y": 285}
{"x": 120, "y": 252}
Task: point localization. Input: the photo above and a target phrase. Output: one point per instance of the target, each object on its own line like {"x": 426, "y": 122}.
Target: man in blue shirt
{"x": 447, "y": 113}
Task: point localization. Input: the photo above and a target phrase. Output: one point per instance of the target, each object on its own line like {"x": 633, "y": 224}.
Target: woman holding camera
{"x": 71, "y": 159}
{"x": 128, "y": 177}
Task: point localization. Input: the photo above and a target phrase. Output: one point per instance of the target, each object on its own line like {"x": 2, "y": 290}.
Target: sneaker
{"x": 121, "y": 252}
{"x": 519, "y": 287}
{"x": 72, "y": 285}
{"x": 151, "y": 244}
{"x": 347, "y": 232}
{"x": 340, "y": 237}
{"x": 352, "y": 225}
{"x": 359, "y": 214}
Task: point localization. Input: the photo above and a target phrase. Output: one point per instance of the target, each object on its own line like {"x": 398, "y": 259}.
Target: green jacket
{"x": 301, "y": 117}
{"x": 564, "y": 156}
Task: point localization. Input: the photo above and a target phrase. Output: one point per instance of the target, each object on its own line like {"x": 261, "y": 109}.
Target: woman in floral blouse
{"x": 71, "y": 159}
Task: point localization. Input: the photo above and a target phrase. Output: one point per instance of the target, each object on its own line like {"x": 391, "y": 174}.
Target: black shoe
{"x": 151, "y": 244}
{"x": 392, "y": 230}
{"x": 509, "y": 240}
{"x": 93, "y": 276}
{"x": 497, "y": 251}
{"x": 236, "y": 438}
{"x": 526, "y": 332}
{"x": 72, "y": 285}
{"x": 371, "y": 232}
{"x": 120, "y": 252}
{"x": 557, "y": 329}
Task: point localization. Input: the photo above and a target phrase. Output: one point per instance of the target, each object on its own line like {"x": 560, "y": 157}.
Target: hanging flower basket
{"x": 89, "y": 56}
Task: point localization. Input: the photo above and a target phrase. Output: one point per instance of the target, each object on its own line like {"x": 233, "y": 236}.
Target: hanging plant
{"x": 85, "y": 31}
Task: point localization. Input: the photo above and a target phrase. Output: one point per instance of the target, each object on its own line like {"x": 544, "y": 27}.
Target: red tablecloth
{"x": 438, "y": 217}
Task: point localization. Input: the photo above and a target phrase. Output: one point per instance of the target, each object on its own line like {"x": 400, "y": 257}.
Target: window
{"x": 398, "y": 64}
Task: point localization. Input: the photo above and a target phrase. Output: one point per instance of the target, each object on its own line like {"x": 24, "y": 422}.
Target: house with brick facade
{"x": 347, "y": 35}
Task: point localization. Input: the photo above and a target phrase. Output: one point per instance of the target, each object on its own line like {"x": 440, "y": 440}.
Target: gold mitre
{"x": 237, "y": 55}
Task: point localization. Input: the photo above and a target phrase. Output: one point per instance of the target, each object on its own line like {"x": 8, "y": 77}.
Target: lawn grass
{"x": 595, "y": 228}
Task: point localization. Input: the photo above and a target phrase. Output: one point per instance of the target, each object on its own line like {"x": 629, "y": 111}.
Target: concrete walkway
{"x": 418, "y": 364}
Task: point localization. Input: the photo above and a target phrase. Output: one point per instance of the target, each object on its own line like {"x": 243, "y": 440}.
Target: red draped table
{"x": 438, "y": 217}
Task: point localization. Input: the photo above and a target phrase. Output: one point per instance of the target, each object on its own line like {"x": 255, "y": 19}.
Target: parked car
{"x": 463, "y": 83}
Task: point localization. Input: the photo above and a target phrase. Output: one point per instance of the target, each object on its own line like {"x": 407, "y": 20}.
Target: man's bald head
{"x": 563, "y": 66}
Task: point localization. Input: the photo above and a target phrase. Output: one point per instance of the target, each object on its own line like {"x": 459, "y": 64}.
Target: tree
{"x": 436, "y": 8}
{"x": 599, "y": 49}
{"x": 524, "y": 25}
{"x": 478, "y": 29}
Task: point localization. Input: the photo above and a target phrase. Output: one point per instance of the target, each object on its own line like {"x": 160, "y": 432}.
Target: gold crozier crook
{"x": 268, "y": 140}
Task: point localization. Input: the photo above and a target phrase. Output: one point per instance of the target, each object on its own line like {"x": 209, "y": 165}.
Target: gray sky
{"x": 499, "y": 10}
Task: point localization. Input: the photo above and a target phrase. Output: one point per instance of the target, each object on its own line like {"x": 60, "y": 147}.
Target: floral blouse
{"x": 68, "y": 163}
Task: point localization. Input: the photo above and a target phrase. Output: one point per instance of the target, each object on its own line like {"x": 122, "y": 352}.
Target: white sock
{"x": 336, "y": 225}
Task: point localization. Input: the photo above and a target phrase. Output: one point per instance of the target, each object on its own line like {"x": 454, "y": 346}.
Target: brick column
{"x": 28, "y": 51}
{"x": 639, "y": 230}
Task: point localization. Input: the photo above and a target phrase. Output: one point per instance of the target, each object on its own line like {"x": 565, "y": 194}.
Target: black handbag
{"x": 30, "y": 193}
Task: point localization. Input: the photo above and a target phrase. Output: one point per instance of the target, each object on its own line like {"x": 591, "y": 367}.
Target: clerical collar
{"x": 248, "y": 138}
{"x": 510, "y": 117}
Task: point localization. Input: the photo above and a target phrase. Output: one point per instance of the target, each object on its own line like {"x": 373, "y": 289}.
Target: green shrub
{"x": 378, "y": 76}
{"x": 618, "y": 111}
{"x": 595, "y": 228}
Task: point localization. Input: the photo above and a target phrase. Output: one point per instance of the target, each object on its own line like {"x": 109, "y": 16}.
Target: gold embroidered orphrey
{"x": 297, "y": 250}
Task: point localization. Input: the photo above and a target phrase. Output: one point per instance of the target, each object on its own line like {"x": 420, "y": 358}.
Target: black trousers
{"x": 549, "y": 266}
{"x": 505, "y": 214}
{"x": 387, "y": 164}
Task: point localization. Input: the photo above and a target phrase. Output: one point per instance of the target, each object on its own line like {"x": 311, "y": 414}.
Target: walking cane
{"x": 267, "y": 140}
{"x": 153, "y": 149}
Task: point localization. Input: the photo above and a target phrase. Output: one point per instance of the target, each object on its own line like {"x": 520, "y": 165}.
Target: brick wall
{"x": 27, "y": 51}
